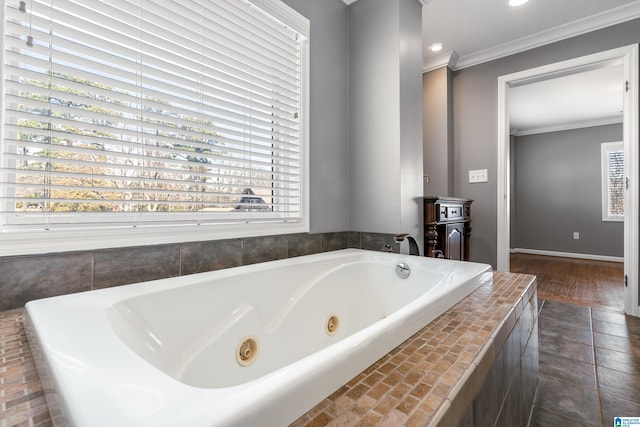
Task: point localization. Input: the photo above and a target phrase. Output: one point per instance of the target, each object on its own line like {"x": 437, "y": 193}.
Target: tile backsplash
{"x": 24, "y": 278}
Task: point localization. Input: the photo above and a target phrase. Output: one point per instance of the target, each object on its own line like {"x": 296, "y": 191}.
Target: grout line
{"x": 595, "y": 366}
{"x": 93, "y": 271}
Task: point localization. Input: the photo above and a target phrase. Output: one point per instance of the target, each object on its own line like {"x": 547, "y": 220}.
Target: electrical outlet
{"x": 576, "y": 235}
{"x": 479, "y": 175}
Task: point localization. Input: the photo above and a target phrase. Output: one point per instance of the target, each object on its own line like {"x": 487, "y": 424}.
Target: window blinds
{"x": 150, "y": 112}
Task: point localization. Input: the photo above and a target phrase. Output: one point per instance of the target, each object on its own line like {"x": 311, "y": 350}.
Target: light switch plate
{"x": 479, "y": 175}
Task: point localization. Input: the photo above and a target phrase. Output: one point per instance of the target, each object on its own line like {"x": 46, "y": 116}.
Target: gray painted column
{"x": 437, "y": 133}
{"x": 385, "y": 82}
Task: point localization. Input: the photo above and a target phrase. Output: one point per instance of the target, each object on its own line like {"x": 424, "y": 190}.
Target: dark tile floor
{"x": 589, "y": 367}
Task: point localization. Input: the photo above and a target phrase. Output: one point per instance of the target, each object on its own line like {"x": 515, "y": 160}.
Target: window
{"x": 613, "y": 182}
{"x": 149, "y": 113}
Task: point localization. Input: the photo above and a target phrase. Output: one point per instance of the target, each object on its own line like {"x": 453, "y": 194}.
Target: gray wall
{"x": 385, "y": 138}
{"x": 557, "y": 191}
{"x": 366, "y": 115}
{"x": 475, "y": 121}
{"x": 329, "y": 124}
{"x": 437, "y": 132}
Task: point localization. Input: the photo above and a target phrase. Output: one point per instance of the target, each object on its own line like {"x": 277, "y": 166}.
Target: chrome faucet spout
{"x": 414, "y": 249}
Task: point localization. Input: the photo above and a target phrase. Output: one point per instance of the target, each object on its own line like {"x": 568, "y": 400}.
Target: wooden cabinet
{"x": 447, "y": 227}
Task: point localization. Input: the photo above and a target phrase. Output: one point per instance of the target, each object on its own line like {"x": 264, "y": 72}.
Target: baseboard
{"x": 568, "y": 255}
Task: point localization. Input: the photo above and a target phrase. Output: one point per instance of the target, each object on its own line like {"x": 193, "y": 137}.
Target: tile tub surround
{"x": 22, "y": 401}
{"x": 25, "y": 278}
{"x": 431, "y": 378}
{"x": 476, "y": 365}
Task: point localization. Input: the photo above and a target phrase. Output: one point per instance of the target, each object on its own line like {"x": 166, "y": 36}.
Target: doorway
{"x": 629, "y": 58}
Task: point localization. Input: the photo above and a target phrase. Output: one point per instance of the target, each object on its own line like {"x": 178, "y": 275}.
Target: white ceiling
{"x": 587, "y": 98}
{"x": 474, "y": 32}
{"x": 477, "y": 31}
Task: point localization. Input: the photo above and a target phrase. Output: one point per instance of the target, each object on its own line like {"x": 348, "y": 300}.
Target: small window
{"x": 613, "y": 181}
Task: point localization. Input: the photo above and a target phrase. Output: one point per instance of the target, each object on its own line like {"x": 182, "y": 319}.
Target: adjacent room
{"x": 567, "y": 184}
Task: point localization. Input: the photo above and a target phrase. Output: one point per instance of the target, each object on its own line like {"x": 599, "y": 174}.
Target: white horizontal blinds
{"x": 149, "y": 111}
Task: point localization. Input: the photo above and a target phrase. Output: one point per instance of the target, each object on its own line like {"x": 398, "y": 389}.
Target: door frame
{"x": 628, "y": 55}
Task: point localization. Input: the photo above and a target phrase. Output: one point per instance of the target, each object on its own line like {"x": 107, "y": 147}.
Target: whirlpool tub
{"x": 252, "y": 345}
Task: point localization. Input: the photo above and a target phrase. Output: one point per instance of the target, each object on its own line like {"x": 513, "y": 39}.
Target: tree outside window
{"x": 613, "y": 181}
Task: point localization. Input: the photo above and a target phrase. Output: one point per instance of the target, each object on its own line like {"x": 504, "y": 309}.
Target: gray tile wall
{"x": 24, "y": 278}
{"x": 506, "y": 396}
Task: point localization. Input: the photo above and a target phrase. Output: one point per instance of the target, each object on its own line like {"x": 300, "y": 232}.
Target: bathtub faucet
{"x": 414, "y": 249}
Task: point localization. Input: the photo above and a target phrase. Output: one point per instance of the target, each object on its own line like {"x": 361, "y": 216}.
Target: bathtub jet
{"x": 252, "y": 345}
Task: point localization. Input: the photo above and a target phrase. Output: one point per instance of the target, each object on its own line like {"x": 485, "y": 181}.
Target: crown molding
{"x": 568, "y": 126}
{"x": 446, "y": 59}
{"x": 595, "y": 22}
{"x": 420, "y": 2}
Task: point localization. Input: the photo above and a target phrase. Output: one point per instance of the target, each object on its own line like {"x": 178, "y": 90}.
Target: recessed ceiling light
{"x": 515, "y": 3}
{"x": 436, "y": 47}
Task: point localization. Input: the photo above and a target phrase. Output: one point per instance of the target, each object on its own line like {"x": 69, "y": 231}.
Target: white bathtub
{"x": 165, "y": 353}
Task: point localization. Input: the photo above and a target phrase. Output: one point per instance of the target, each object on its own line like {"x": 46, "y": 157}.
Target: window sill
{"x": 65, "y": 240}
